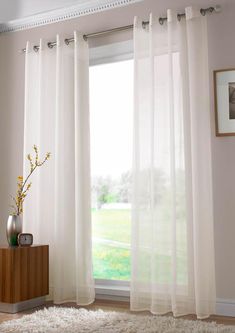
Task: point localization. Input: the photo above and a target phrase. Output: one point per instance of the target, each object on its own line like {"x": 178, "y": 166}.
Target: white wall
{"x": 221, "y": 29}
{"x": 222, "y": 55}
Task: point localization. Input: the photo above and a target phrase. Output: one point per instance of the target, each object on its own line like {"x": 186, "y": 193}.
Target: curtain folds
{"x": 57, "y": 211}
{"x": 172, "y": 212}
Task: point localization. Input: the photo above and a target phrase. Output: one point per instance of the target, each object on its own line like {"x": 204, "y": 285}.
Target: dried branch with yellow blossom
{"x": 22, "y": 185}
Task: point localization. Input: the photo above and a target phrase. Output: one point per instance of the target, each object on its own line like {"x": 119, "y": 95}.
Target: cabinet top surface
{"x": 4, "y": 246}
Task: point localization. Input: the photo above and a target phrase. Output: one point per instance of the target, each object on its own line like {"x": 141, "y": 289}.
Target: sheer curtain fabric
{"x": 57, "y": 211}
{"x": 172, "y": 214}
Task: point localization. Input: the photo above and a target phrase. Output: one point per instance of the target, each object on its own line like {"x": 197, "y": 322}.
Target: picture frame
{"x": 224, "y": 94}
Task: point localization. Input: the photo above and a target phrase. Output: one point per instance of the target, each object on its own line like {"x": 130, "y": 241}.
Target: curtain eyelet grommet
{"x": 161, "y": 20}
{"x": 36, "y": 48}
{"x": 203, "y": 12}
{"x": 145, "y": 24}
{"x": 180, "y": 16}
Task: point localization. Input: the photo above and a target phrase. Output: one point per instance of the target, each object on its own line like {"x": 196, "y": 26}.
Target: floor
{"x": 115, "y": 306}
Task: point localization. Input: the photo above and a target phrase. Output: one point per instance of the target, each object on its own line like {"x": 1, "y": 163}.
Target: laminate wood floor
{"x": 113, "y": 306}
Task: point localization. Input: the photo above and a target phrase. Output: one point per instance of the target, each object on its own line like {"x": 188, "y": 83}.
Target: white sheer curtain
{"x": 57, "y": 210}
{"x": 172, "y": 217}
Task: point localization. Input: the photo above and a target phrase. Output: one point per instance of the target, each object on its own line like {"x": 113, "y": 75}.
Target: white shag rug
{"x": 72, "y": 320}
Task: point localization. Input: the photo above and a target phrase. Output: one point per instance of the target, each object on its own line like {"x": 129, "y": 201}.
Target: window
{"x": 111, "y": 112}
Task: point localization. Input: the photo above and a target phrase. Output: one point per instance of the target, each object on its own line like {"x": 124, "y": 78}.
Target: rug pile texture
{"x": 72, "y": 320}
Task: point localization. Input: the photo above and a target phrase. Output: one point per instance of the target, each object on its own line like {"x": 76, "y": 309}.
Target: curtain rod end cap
{"x": 218, "y": 8}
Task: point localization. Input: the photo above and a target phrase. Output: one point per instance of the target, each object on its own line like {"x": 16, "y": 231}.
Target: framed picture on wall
{"x": 224, "y": 91}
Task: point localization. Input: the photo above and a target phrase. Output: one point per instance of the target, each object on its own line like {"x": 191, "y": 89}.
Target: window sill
{"x": 112, "y": 290}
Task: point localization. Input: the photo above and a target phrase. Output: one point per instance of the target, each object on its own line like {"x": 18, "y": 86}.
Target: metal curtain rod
{"x": 161, "y": 20}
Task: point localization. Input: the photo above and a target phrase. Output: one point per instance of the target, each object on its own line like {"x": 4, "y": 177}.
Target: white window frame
{"x": 112, "y": 289}
{"x": 109, "y": 53}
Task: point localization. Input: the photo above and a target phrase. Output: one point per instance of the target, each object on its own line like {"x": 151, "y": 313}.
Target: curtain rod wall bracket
{"x": 204, "y": 11}
{"x": 218, "y": 9}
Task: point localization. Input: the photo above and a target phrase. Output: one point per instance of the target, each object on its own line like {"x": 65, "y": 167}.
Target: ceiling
{"x": 18, "y": 9}
{"x": 18, "y": 15}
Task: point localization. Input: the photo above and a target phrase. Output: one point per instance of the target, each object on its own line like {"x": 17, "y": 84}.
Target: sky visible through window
{"x": 111, "y": 121}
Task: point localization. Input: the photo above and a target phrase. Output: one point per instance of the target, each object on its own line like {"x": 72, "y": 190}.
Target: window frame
{"x": 111, "y": 53}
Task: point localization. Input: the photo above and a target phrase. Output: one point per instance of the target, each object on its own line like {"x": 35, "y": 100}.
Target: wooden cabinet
{"x": 24, "y": 273}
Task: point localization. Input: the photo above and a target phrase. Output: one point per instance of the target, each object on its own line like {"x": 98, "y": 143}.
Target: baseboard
{"x": 21, "y": 306}
{"x": 225, "y": 307}
{"x": 112, "y": 298}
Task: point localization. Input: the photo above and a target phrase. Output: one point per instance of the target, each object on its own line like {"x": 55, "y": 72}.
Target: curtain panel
{"x": 57, "y": 211}
{"x": 172, "y": 213}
